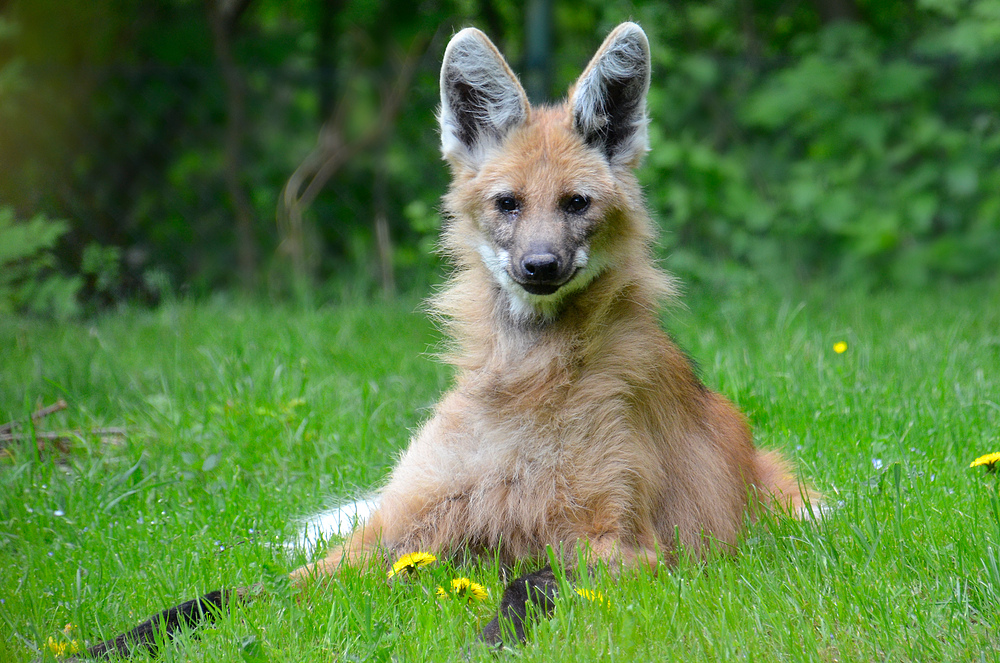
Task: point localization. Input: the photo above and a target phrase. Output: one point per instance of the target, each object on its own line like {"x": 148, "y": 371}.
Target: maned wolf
{"x": 574, "y": 420}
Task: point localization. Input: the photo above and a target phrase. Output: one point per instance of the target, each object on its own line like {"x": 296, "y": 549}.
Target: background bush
{"x": 846, "y": 137}
{"x": 27, "y": 280}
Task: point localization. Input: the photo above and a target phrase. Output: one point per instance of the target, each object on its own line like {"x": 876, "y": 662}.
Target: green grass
{"x": 241, "y": 417}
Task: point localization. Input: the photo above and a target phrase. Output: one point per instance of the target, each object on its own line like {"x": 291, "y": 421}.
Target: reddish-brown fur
{"x": 586, "y": 425}
{"x": 574, "y": 419}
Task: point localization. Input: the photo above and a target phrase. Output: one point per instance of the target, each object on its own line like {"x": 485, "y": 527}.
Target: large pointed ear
{"x": 609, "y": 98}
{"x": 481, "y": 100}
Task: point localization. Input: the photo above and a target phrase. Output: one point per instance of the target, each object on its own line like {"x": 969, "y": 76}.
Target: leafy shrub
{"x": 786, "y": 142}
{"x": 871, "y": 162}
{"x": 28, "y": 281}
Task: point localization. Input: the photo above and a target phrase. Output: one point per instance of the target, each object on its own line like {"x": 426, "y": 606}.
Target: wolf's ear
{"x": 481, "y": 100}
{"x": 609, "y": 98}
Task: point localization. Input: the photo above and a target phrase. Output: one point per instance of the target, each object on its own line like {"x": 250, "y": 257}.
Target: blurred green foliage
{"x": 856, "y": 138}
{"x": 870, "y": 151}
{"x": 27, "y": 279}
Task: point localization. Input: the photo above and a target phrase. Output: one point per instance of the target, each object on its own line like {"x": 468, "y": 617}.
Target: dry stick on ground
{"x": 8, "y": 435}
{"x": 333, "y": 151}
{"x": 58, "y": 442}
{"x": 35, "y": 416}
{"x": 224, "y": 16}
{"x": 95, "y": 432}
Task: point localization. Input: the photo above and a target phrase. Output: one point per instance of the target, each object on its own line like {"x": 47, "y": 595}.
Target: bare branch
{"x": 333, "y": 151}
{"x": 35, "y": 416}
{"x": 230, "y": 11}
{"x": 113, "y": 431}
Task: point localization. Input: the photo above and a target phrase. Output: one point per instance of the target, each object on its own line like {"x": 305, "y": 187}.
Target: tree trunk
{"x": 538, "y": 50}
{"x": 383, "y": 239}
{"x": 223, "y": 17}
{"x": 326, "y": 83}
{"x": 831, "y": 11}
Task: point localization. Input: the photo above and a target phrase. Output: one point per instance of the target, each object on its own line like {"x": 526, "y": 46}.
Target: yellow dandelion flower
{"x": 591, "y": 595}
{"x": 62, "y": 649}
{"x": 289, "y": 408}
{"x": 989, "y": 460}
{"x": 410, "y": 562}
{"x": 463, "y": 588}
{"x": 840, "y": 347}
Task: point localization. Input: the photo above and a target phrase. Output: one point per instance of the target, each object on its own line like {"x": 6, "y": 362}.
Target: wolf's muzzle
{"x": 543, "y": 273}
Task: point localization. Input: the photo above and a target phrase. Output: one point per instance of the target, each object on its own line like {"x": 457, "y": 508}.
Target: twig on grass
{"x": 35, "y": 416}
{"x": 66, "y": 435}
{"x": 59, "y": 440}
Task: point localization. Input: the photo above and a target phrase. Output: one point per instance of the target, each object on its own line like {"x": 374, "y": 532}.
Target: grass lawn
{"x": 240, "y": 417}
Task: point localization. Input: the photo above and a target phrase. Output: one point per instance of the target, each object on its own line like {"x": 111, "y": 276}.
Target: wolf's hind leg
{"x": 189, "y": 614}
{"x": 361, "y": 549}
{"x": 356, "y": 551}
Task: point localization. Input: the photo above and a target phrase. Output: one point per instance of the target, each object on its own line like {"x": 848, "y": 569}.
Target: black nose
{"x": 541, "y": 267}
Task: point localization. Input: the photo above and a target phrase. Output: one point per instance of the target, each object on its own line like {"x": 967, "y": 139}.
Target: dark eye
{"x": 508, "y": 204}
{"x": 576, "y": 204}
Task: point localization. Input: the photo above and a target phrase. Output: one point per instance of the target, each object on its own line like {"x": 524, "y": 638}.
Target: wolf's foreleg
{"x": 531, "y": 596}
